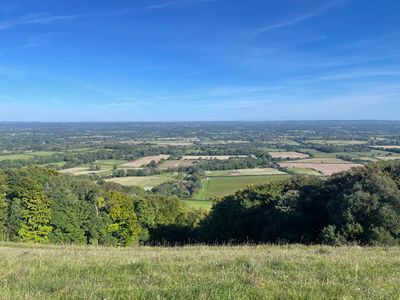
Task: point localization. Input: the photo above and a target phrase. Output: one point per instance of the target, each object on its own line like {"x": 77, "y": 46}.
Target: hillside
{"x": 200, "y": 272}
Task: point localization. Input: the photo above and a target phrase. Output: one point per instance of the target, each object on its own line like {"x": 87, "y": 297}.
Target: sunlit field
{"x": 199, "y": 272}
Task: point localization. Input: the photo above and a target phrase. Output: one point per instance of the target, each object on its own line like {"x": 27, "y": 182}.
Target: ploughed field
{"x": 199, "y": 272}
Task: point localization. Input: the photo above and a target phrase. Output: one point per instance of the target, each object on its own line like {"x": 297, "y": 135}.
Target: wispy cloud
{"x": 44, "y": 18}
{"x": 285, "y": 23}
{"x": 297, "y": 19}
{"x": 36, "y": 19}
{"x": 354, "y": 74}
{"x": 174, "y": 3}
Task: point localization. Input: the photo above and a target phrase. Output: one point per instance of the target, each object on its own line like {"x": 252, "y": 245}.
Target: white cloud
{"x": 297, "y": 19}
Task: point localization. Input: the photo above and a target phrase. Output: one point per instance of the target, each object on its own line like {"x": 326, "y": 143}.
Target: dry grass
{"x": 172, "y": 164}
{"x": 324, "y": 168}
{"x": 219, "y": 157}
{"x": 80, "y": 171}
{"x": 245, "y": 172}
{"x": 388, "y": 157}
{"x": 144, "y": 161}
{"x": 387, "y": 147}
{"x": 288, "y": 155}
{"x": 200, "y": 272}
{"x": 146, "y": 182}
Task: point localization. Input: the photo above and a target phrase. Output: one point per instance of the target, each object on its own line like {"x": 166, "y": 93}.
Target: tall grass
{"x": 199, "y": 272}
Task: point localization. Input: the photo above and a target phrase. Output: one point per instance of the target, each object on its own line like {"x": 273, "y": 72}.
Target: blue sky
{"x": 186, "y": 60}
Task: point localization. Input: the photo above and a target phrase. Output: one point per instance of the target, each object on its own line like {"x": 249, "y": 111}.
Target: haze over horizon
{"x": 199, "y": 60}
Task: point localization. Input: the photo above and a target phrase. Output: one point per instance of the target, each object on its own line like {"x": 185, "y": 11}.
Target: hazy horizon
{"x": 199, "y": 60}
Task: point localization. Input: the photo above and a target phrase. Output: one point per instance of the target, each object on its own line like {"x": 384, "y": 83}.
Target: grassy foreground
{"x": 199, "y": 272}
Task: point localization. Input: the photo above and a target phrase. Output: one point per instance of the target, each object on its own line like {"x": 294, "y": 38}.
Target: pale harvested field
{"x": 171, "y": 164}
{"x": 387, "y": 147}
{"x": 145, "y": 182}
{"x": 219, "y": 157}
{"x": 337, "y": 142}
{"x": 325, "y": 168}
{"x": 388, "y": 157}
{"x": 288, "y": 155}
{"x": 144, "y": 161}
{"x": 79, "y": 171}
{"x": 245, "y": 172}
{"x": 171, "y": 143}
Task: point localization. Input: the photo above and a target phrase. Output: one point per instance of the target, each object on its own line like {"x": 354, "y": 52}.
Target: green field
{"x": 219, "y": 186}
{"x": 200, "y": 272}
{"x": 58, "y": 164}
{"x": 15, "y": 157}
{"x": 204, "y": 204}
{"x": 110, "y": 162}
{"x": 300, "y": 171}
{"x": 26, "y": 155}
{"x": 42, "y": 153}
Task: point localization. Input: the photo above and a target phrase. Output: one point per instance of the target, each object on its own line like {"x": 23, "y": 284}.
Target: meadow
{"x": 26, "y": 155}
{"x": 203, "y": 204}
{"x": 15, "y": 156}
{"x": 219, "y": 186}
{"x": 199, "y": 272}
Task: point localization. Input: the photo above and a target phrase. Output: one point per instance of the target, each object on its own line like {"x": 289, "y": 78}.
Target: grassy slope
{"x": 263, "y": 272}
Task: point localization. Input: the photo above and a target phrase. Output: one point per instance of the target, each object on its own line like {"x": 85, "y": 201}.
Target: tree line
{"x": 361, "y": 206}
{"x": 39, "y": 205}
